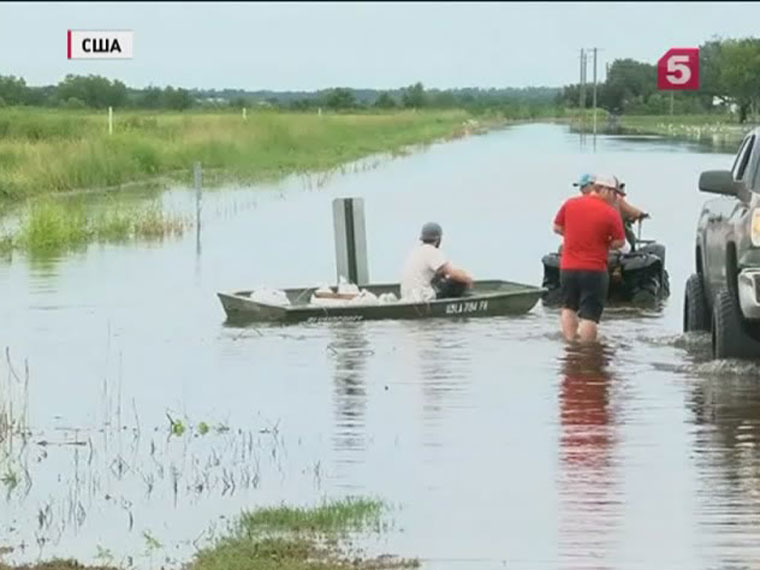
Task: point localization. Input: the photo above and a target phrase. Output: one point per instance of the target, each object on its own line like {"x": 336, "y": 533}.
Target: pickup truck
{"x": 723, "y": 295}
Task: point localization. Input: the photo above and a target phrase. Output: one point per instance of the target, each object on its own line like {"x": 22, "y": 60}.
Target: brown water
{"x": 495, "y": 444}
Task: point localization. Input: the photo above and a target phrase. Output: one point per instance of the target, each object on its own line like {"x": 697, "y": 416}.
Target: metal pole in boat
{"x": 350, "y": 240}
{"x": 198, "y": 184}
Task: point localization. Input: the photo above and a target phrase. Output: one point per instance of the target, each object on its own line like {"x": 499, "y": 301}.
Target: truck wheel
{"x": 696, "y": 317}
{"x": 728, "y": 337}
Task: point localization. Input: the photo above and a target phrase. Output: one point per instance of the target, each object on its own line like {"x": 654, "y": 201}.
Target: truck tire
{"x": 729, "y": 340}
{"x": 696, "y": 317}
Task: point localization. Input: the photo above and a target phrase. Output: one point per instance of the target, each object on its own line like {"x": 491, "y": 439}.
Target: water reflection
{"x": 587, "y": 483}
{"x": 350, "y": 350}
{"x": 727, "y": 415}
{"x": 438, "y": 361}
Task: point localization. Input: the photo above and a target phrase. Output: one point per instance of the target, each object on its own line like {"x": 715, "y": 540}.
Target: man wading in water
{"x": 590, "y": 225}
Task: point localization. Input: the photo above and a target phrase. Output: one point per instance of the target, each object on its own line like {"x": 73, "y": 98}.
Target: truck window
{"x": 739, "y": 154}
{"x": 740, "y": 166}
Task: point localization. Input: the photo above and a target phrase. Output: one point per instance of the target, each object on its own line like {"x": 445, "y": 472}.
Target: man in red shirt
{"x": 591, "y": 226}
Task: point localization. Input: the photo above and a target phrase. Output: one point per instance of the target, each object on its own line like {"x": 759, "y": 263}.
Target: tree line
{"x": 97, "y": 92}
{"x": 729, "y": 79}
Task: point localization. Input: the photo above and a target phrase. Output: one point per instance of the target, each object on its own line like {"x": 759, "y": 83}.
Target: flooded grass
{"x": 45, "y": 151}
{"x": 349, "y": 514}
{"x": 51, "y": 226}
{"x": 56, "y": 565}
{"x": 299, "y": 539}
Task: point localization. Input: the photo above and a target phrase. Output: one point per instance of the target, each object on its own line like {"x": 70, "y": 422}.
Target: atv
{"x": 637, "y": 277}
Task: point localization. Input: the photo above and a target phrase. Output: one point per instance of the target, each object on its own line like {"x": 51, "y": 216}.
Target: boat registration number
{"x": 466, "y": 307}
{"x": 335, "y": 319}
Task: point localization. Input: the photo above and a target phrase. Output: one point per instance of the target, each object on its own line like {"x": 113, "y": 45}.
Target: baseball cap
{"x": 430, "y": 231}
{"x": 607, "y": 181}
{"x": 621, "y": 188}
{"x": 584, "y": 180}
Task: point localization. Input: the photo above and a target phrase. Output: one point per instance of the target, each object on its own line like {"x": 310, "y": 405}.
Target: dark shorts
{"x": 446, "y": 288}
{"x": 584, "y": 292}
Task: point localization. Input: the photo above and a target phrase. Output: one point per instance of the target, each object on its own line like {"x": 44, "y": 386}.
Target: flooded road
{"x": 153, "y": 423}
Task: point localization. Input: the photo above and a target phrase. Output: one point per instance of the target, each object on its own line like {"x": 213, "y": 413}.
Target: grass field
{"x": 44, "y": 151}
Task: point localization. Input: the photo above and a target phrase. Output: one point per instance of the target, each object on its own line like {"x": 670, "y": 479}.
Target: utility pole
{"x": 580, "y": 84}
{"x": 583, "y": 80}
{"x": 595, "y": 49}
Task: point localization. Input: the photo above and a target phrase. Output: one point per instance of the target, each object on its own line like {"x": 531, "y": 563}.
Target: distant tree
{"x": 443, "y": 100}
{"x": 413, "y": 97}
{"x": 150, "y": 98}
{"x": 740, "y": 73}
{"x": 385, "y": 101}
{"x": 13, "y": 90}
{"x": 627, "y": 80}
{"x": 177, "y": 99}
{"x": 340, "y": 98}
{"x": 74, "y": 103}
{"x": 94, "y": 90}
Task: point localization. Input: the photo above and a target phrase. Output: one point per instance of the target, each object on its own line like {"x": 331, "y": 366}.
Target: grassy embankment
{"x": 285, "y": 539}
{"x": 720, "y": 130}
{"x": 44, "y": 153}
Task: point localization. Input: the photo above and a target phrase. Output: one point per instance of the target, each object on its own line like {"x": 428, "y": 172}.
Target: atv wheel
{"x": 552, "y": 297}
{"x": 646, "y": 291}
{"x": 696, "y": 317}
{"x": 729, "y": 339}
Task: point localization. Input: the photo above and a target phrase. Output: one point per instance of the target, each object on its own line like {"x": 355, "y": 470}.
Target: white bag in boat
{"x": 346, "y": 287}
{"x": 365, "y": 298}
{"x": 270, "y": 297}
{"x": 388, "y": 298}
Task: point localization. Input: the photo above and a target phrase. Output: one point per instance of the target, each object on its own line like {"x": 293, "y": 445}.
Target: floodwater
{"x": 494, "y": 443}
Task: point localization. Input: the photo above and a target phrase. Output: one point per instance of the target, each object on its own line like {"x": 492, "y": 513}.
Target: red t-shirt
{"x": 589, "y": 224}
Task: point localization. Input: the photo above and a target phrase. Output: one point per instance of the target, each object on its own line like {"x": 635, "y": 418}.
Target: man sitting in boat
{"x": 428, "y": 274}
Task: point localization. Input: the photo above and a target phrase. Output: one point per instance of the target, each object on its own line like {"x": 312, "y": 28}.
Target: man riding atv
{"x": 630, "y": 214}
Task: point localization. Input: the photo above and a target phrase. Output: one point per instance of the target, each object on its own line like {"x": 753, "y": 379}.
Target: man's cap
{"x": 621, "y": 188}
{"x": 584, "y": 180}
{"x": 431, "y": 231}
{"x": 607, "y": 181}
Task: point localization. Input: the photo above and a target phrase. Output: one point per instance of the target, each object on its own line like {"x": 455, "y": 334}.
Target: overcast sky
{"x": 307, "y": 46}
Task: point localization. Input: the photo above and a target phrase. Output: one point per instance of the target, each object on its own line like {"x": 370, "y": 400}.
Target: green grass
{"x": 349, "y": 514}
{"x": 51, "y": 226}
{"x": 298, "y": 539}
{"x": 57, "y": 564}
{"x": 43, "y": 150}
{"x": 281, "y": 538}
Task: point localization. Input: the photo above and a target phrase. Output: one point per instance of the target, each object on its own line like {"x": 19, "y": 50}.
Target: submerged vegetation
{"x": 51, "y": 226}
{"x": 281, "y": 538}
{"x": 299, "y": 539}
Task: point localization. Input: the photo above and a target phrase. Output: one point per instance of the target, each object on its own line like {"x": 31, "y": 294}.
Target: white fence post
{"x": 110, "y": 120}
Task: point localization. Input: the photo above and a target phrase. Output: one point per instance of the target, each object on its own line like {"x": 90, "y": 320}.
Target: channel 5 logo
{"x": 678, "y": 69}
